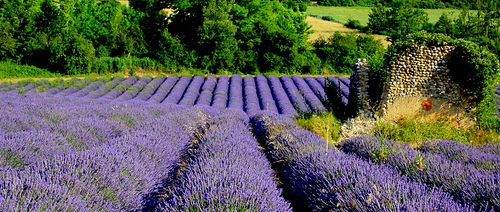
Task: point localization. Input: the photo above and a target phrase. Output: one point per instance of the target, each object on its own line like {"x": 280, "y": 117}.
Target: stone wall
{"x": 421, "y": 72}
{"x": 359, "y": 98}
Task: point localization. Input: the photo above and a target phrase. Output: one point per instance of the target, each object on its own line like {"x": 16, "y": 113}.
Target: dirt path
{"x": 324, "y": 29}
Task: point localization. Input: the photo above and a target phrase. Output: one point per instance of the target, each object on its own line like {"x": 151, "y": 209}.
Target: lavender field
{"x": 285, "y": 95}
{"x": 217, "y": 144}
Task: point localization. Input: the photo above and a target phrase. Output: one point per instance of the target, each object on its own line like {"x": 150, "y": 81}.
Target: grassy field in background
{"x": 342, "y": 14}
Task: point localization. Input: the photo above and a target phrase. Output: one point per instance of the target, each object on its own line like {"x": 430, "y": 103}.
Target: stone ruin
{"x": 420, "y": 72}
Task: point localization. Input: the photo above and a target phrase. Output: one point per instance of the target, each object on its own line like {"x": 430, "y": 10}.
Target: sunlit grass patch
{"x": 324, "y": 124}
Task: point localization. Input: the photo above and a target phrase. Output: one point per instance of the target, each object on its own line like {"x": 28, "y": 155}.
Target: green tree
{"x": 341, "y": 51}
{"x": 400, "y": 20}
{"x": 217, "y": 36}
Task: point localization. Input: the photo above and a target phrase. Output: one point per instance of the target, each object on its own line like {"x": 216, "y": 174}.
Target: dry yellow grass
{"x": 406, "y": 108}
{"x": 324, "y": 29}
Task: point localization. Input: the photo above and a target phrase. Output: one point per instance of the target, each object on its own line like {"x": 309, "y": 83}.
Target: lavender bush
{"x": 235, "y": 100}
{"x": 318, "y": 178}
{"x": 177, "y": 91}
{"x": 104, "y": 89}
{"x": 133, "y": 90}
{"x": 289, "y": 96}
{"x": 311, "y": 99}
{"x": 264, "y": 93}
{"x": 207, "y": 91}
{"x": 460, "y": 152}
{"x": 316, "y": 87}
{"x": 89, "y": 88}
{"x": 87, "y": 155}
{"x": 252, "y": 104}
{"x": 321, "y": 81}
{"x": 282, "y": 100}
{"x": 293, "y": 93}
{"x": 150, "y": 89}
{"x": 492, "y": 148}
{"x": 225, "y": 171}
{"x": 465, "y": 182}
{"x": 120, "y": 88}
{"x": 192, "y": 92}
{"x": 221, "y": 93}
{"x": 164, "y": 89}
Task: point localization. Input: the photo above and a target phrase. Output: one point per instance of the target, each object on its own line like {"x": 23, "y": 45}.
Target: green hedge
{"x": 14, "y": 70}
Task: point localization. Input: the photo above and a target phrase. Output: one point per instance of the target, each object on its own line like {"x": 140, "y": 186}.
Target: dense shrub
{"x": 106, "y": 65}
{"x": 14, "y": 70}
{"x": 396, "y": 22}
{"x": 341, "y": 51}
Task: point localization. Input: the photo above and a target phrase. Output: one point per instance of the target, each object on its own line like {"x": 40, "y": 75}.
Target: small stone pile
{"x": 421, "y": 72}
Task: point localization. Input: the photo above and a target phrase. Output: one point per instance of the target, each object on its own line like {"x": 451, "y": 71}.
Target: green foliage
{"x": 241, "y": 36}
{"x": 336, "y": 3}
{"x": 297, "y": 5}
{"x": 107, "y": 65}
{"x": 354, "y": 24}
{"x": 415, "y": 131}
{"x": 14, "y": 70}
{"x": 424, "y": 4}
{"x": 328, "y": 18}
{"x": 398, "y": 21}
{"x": 340, "y": 51}
{"x": 65, "y": 36}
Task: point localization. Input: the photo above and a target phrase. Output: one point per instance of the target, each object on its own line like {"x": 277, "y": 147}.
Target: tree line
{"x": 226, "y": 36}
{"x": 422, "y": 4}
{"x": 244, "y": 36}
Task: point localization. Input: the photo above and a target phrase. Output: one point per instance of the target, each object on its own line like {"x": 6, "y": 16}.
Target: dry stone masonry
{"x": 421, "y": 72}
{"x": 358, "y": 88}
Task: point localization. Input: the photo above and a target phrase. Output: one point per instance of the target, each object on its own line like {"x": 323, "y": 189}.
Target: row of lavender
{"x": 318, "y": 178}
{"x": 58, "y": 154}
{"x": 224, "y": 171}
{"x": 470, "y": 174}
{"x": 285, "y": 95}
{"x": 62, "y": 154}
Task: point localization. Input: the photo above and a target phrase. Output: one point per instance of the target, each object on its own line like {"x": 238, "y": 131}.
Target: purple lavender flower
{"x": 192, "y": 92}
{"x": 282, "y": 100}
{"x": 465, "y": 182}
{"x": 264, "y": 93}
{"x": 225, "y": 171}
{"x": 467, "y": 154}
{"x": 312, "y": 100}
{"x": 89, "y": 88}
{"x": 221, "y": 93}
{"x": 235, "y": 100}
{"x": 164, "y": 89}
{"x": 133, "y": 90}
{"x": 120, "y": 88}
{"x": 207, "y": 91}
{"x": 492, "y": 148}
{"x": 177, "y": 91}
{"x": 293, "y": 93}
{"x": 321, "y": 81}
{"x": 104, "y": 89}
{"x": 150, "y": 89}
{"x": 317, "y": 177}
{"x": 88, "y": 155}
{"x": 316, "y": 87}
{"x": 252, "y": 104}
